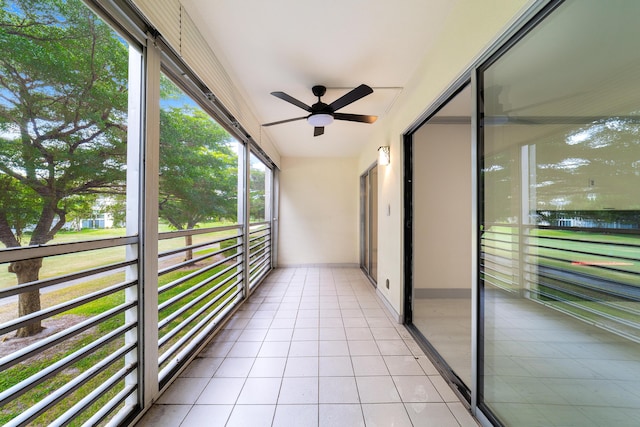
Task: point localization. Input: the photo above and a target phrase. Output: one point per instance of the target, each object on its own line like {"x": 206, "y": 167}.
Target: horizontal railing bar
{"x": 61, "y": 308}
{"x": 193, "y": 331}
{"x": 584, "y": 241}
{"x": 164, "y": 288}
{"x": 262, "y": 240}
{"x": 51, "y": 370}
{"x": 195, "y": 246}
{"x": 573, "y": 251}
{"x": 595, "y": 230}
{"x": 43, "y": 405}
{"x": 257, "y": 267}
{"x": 192, "y": 317}
{"x": 164, "y": 322}
{"x": 168, "y": 303}
{"x": 44, "y": 283}
{"x": 257, "y": 254}
{"x": 194, "y": 231}
{"x": 255, "y": 224}
{"x": 42, "y": 251}
{"x": 106, "y": 410}
{"x": 197, "y": 341}
{"x": 96, "y": 394}
{"x": 257, "y": 234}
{"x": 258, "y": 277}
{"x": 48, "y": 342}
{"x": 167, "y": 320}
{"x": 189, "y": 262}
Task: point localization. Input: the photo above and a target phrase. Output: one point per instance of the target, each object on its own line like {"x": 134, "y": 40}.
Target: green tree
{"x": 63, "y": 106}
{"x": 198, "y": 169}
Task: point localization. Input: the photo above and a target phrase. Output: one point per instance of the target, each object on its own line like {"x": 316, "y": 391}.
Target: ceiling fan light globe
{"x": 320, "y": 119}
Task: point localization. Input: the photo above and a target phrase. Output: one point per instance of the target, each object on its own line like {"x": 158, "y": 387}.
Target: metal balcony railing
{"x": 590, "y": 274}
{"x": 85, "y": 368}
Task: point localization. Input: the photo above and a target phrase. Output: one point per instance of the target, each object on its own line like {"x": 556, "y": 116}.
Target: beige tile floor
{"x": 312, "y": 347}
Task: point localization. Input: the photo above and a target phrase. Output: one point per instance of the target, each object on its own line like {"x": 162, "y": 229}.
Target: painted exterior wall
{"x": 319, "y": 211}
{"x": 471, "y": 28}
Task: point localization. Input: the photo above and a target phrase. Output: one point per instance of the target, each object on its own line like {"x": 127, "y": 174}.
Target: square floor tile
{"x": 377, "y": 390}
{"x": 332, "y": 334}
{"x": 183, "y": 391}
{"x": 338, "y": 390}
{"x": 268, "y": 367}
{"x": 221, "y": 391}
{"x": 299, "y": 390}
{"x": 208, "y": 415}
{"x": 303, "y": 348}
{"x": 258, "y": 323}
{"x": 389, "y": 414}
{"x": 217, "y": 349}
{"x": 283, "y": 323}
{"x": 368, "y": 365}
{"x": 309, "y": 322}
{"x": 389, "y": 333}
{"x": 335, "y": 366}
{"x": 333, "y": 348}
{"x": 355, "y": 322}
{"x": 253, "y": 335}
{"x": 416, "y": 389}
{"x": 296, "y": 416}
{"x": 260, "y": 391}
{"x": 164, "y": 416}
{"x": 251, "y": 415}
{"x": 235, "y": 367}
{"x": 363, "y": 348}
{"x": 340, "y": 415}
{"x": 402, "y": 365}
{"x": 393, "y": 348}
{"x": 203, "y": 367}
{"x": 443, "y": 388}
{"x": 431, "y": 415}
{"x": 274, "y": 349}
{"x": 358, "y": 334}
{"x": 279, "y": 334}
{"x": 245, "y": 349}
{"x": 305, "y": 334}
{"x": 301, "y": 367}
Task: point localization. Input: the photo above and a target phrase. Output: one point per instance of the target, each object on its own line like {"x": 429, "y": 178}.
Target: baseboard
{"x": 327, "y": 265}
{"x": 392, "y": 311}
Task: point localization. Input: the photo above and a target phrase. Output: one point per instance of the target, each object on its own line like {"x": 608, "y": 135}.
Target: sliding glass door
{"x": 560, "y": 221}
{"x": 369, "y": 223}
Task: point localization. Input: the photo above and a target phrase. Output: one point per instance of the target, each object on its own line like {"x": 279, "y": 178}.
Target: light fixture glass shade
{"x": 384, "y": 155}
{"x": 320, "y": 120}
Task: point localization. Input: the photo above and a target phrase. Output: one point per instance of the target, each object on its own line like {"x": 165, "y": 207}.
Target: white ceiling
{"x": 292, "y": 45}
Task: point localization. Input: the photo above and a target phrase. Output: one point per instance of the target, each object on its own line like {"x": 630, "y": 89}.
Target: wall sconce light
{"x": 384, "y": 156}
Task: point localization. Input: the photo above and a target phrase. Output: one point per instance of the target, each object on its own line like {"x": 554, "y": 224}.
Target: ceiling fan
{"x": 322, "y": 114}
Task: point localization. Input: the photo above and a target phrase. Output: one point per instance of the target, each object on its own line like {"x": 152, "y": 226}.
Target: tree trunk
{"x": 188, "y": 241}
{"x": 28, "y": 302}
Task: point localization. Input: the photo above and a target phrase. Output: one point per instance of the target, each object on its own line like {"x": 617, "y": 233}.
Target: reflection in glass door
{"x": 560, "y": 221}
{"x": 440, "y": 284}
{"x": 369, "y": 223}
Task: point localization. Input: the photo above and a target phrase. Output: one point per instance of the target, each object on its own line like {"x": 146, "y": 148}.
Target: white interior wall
{"x": 470, "y": 29}
{"x": 442, "y": 191}
{"x": 319, "y": 211}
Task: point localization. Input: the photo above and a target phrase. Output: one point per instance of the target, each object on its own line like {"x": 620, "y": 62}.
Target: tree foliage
{"x": 63, "y": 106}
{"x": 198, "y": 169}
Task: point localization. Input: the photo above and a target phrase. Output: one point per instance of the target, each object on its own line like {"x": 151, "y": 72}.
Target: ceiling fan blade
{"x": 357, "y": 93}
{"x": 290, "y": 99}
{"x": 317, "y": 131}
{"x": 284, "y": 121}
{"x": 355, "y": 117}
